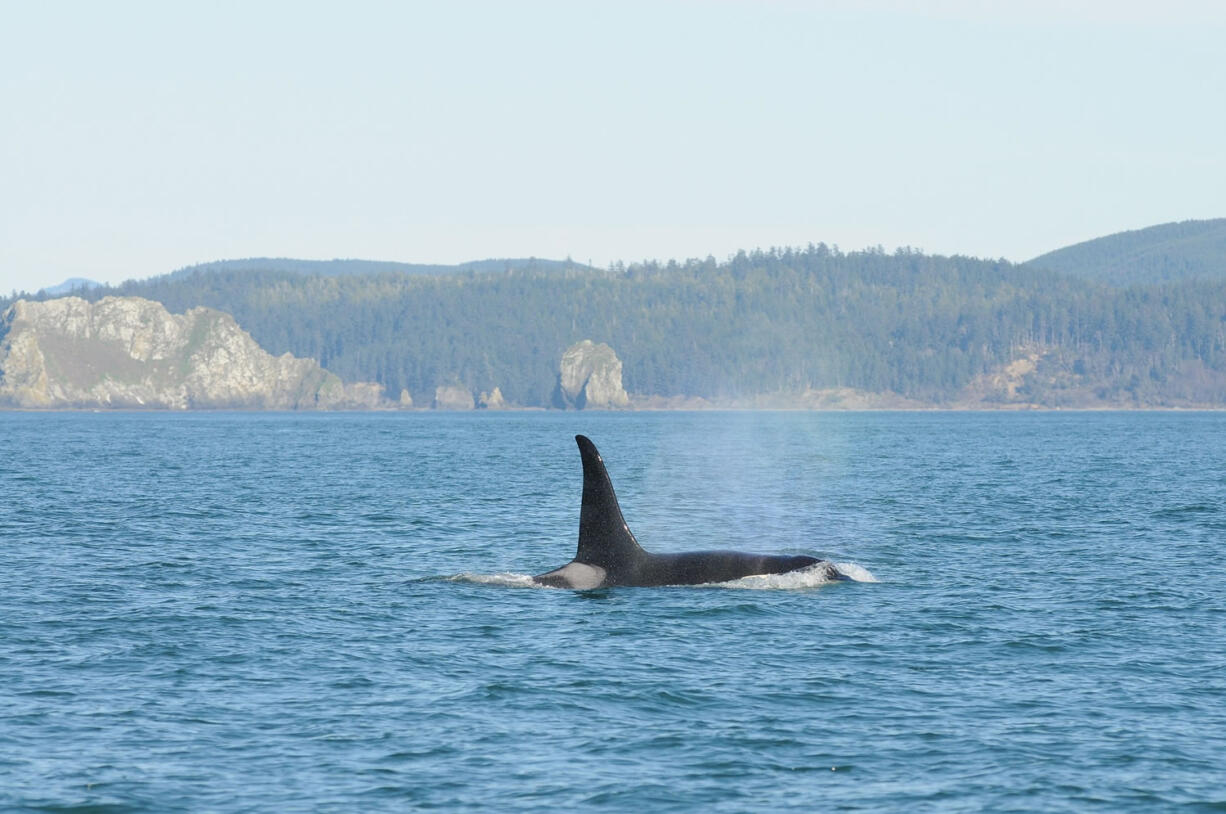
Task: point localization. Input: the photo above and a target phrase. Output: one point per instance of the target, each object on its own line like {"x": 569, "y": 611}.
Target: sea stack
{"x": 590, "y": 377}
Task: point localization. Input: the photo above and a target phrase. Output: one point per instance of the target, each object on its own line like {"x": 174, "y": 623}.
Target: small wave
{"x": 1190, "y": 510}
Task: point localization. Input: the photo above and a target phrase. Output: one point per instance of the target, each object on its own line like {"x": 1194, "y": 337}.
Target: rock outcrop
{"x": 492, "y": 400}
{"x": 128, "y": 352}
{"x": 590, "y": 376}
{"x": 453, "y": 397}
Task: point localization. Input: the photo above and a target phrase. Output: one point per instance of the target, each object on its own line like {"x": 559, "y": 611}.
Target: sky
{"x": 138, "y": 138}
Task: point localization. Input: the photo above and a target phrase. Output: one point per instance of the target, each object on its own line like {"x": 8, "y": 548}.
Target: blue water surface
{"x": 326, "y": 612}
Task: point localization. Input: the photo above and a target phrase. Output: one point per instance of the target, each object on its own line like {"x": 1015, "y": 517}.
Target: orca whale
{"x": 609, "y": 555}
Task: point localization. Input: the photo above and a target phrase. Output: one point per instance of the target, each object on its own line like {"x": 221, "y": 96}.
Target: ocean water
{"x": 280, "y": 612}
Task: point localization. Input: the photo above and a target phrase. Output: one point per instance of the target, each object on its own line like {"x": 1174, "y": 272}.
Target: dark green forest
{"x": 921, "y": 326}
{"x": 1170, "y": 252}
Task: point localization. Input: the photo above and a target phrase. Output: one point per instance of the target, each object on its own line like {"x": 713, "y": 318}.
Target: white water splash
{"x": 857, "y": 572}
{"x": 505, "y": 579}
{"x": 812, "y": 577}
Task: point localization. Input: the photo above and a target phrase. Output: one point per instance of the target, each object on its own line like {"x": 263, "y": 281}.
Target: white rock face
{"x": 453, "y": 398}
{"x": 590, "y": 376}
{"x": 131, "y": 352}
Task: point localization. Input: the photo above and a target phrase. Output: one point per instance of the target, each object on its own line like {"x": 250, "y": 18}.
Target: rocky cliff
{"x": 590, "y": 376}
{"x": 131, "y": 352}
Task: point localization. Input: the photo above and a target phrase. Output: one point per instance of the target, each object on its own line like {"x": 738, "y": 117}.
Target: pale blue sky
{"x": 141, "y": 137}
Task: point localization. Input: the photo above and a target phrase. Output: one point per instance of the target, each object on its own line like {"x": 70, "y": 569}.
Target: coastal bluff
{"x": 129, "y": 352}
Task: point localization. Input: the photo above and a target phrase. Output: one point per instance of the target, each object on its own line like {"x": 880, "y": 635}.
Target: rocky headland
{"x": 128, "y": 352}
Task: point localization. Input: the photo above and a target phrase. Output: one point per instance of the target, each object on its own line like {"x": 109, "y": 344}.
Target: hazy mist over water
{"x": 299, "y": 612}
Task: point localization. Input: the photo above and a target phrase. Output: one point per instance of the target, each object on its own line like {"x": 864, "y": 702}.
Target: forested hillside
{"x": 932, "y": 329}
{"x": 1189, "y": 250}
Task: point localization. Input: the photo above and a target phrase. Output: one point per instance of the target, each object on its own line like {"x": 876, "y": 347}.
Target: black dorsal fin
{"x": 604, "y": 538}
